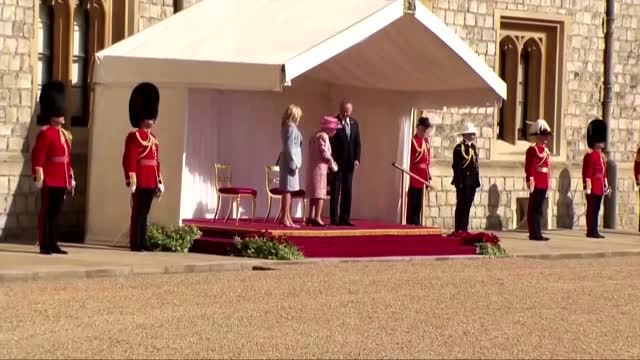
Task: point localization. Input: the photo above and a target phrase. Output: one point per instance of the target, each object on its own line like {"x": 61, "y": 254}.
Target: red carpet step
{"x": 366, "y": 239}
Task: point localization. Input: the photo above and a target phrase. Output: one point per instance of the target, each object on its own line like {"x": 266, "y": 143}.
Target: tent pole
{"x": 607, "y": 108}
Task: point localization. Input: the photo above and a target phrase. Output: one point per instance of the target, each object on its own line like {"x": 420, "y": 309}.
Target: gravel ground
{"x": 507, "y": 308}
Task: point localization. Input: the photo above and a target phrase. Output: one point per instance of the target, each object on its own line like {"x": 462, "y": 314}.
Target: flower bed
{"x": 487, "y": 244}
{"x": 265, "y": 245}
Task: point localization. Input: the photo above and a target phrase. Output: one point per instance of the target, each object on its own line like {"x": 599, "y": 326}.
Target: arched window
{"x": 508, "y": 59}
{"x": 45, "y": 43}
{"x": 529, "y": 61}
{"x": 529, "y": 86}
{"x": 79, "y": 67}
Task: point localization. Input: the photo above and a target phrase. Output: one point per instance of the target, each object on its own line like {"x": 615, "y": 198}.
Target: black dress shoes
{"x": 346, "y": 223}
{"x": 314, "y": 222}
{"x": 57, "y": 250}
{"x": 595, "y": 236}
{"x": 539, "y": 238}
{"x": 146, "y": 247}
{"x": 44, "y": 251}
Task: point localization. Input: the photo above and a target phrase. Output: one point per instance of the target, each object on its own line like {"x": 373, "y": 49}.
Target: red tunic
{"x": 420, "y": 160}
{"x": 140, "y": 159}
{"x": 594, "y": 172}
{"x": 537, "y": 166}
{"x": 51, "y": 155}
{"x": 636, "y": 168}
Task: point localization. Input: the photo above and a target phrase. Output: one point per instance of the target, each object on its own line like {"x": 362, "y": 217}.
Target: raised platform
{"x": 366, "y": 239}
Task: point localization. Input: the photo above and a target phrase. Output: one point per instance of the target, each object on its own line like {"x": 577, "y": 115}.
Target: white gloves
{"x": 39, "y": 180}
{"x": 587, "y": 191}
{"x": 159, "y": 191}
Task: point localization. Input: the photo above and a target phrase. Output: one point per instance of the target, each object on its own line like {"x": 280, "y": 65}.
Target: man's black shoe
{"x": 58, "y": 250}
{"x": 541, "y": 238}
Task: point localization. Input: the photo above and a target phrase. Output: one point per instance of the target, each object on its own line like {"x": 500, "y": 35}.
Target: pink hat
{"x": 329, "y": 122}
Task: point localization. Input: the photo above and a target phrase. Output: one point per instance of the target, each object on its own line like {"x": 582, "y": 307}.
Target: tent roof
{"x": 265, "y": 44}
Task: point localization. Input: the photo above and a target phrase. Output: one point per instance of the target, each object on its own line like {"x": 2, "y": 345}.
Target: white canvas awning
{"x": 265, "y": 44}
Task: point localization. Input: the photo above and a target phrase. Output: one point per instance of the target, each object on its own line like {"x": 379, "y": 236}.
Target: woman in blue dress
{"x": 290, "y": 161}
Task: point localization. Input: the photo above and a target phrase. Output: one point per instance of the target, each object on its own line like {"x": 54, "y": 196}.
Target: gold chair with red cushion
{"x": 273, "y": 191}
{"x": 224, "y": 188}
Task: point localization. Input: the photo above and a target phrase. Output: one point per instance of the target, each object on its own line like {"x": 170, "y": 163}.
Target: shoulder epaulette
{"x": 67, "y": 135}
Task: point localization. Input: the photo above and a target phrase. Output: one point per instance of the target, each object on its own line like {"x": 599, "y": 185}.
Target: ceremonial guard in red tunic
{"x": 140, "y": 161}
{"x": 636, "y": 176}
{"x": 420, "y": 159}
{"x": 466, "y": 176}
{"x": 51, "y": 165}
{"x": 594, "y": 175}
{"x": 537, "y": 167}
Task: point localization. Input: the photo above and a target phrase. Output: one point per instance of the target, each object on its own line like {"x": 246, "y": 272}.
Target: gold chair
{"x": 224, "y": 188}
{"x": 273, "y": 191}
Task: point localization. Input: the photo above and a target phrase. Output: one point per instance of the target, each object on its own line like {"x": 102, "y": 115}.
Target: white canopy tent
{"x": 226, "y": 65}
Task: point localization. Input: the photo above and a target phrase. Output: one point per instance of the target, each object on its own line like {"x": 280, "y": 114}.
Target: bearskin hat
{"x": 143, "y": 104}
{"x": 52, "y": 102}
{"x": 539, "y": 127}
{"x": 596, "y": 132}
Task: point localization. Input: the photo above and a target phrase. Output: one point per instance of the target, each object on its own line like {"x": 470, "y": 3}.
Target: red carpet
{"x": 366, "y": 239}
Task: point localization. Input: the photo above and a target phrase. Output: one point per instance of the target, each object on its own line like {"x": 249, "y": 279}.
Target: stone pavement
{"x": 571, "y": 244}
{"x": 22, "y": 262}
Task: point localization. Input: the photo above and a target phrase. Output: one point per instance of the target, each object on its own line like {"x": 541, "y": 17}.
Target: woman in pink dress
{"x": 320, "y": 163}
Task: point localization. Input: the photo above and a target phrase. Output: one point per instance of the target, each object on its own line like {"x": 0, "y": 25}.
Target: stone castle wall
{"x": 503, "y": 182}
{"x": 18, "y": 200}
{"x": 473, "y": 21}
{"x": 500, "y": 203}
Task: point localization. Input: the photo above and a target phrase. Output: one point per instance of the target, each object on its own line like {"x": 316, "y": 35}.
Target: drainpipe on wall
{"x": 610, "y": 202}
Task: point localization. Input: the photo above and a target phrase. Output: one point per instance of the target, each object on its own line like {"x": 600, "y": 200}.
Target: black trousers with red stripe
{"x": 534, "y": 212}
{"x": 593, "y": 213}
{"x": 140, "y": 208}
{"x": 51, "y": 201}
{"x": 415, "y": 196}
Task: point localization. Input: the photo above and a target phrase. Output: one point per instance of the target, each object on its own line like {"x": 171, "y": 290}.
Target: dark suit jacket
{"x": 466, "y": 172}
{"x": 346, "y": 150}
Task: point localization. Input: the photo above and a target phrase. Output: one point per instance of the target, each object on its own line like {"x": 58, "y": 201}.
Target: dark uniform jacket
{"x": 466, "y": 173}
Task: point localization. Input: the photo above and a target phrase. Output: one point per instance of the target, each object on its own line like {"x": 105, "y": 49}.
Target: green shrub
{"x": 265, "y": 246}
{"x": 176, "y": 239}
{"x": 491, "y": 250}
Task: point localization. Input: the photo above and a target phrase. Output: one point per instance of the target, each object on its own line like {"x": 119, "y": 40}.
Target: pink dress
{"x": 320, "y": 161}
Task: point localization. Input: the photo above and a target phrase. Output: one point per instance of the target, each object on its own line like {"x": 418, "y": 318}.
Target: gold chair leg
{"x": 218, "y": 201}
{"x": 266, "y": 218}
{"x": 279, "y": 211}
{"x": 237, "y": 210}
{"x": 253, "y": 208}
{"x": 304, "y": 210}
{"x": 229, "y": 212}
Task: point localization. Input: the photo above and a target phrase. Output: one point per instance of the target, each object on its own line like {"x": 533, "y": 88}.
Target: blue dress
{"x": 290, "y": 159}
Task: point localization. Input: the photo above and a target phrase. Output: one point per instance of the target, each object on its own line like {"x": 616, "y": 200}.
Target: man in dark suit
{"x": 466, "y": 176}
{"x": 345, "y": 148}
